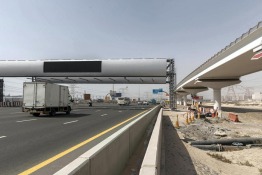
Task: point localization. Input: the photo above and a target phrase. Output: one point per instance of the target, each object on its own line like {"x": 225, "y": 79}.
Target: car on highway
{"x": 123, "y": 101}
{"x": 100, "y": 100}
{"x": 145, "y": 103}
{"x": 139, "y": 103}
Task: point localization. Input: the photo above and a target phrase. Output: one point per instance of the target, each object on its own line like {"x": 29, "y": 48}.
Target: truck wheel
{"x": 52, "y": 112}
{"x": 36, "y": 114}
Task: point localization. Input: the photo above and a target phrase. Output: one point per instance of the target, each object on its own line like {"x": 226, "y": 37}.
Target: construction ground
{"x": 179, "y": 157}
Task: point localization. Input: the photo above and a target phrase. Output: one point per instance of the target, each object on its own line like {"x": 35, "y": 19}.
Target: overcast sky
{"x": 191, "y": 31}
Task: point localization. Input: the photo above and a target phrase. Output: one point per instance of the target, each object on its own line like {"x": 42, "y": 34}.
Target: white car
{"x": 123, "y": 101}
{"x": 145, "y": 103}
{"x": 139, "y": 103}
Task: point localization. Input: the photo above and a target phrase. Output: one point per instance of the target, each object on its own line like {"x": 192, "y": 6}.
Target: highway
{"x": 26, "y": 141}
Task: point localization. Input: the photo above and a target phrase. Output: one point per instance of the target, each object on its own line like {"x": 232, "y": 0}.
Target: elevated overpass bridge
{"x": 241, "y": 57}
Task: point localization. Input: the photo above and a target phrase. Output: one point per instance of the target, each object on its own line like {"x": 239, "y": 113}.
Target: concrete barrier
{"x": 110, "y": 156}
{"x": 151, "y": 162}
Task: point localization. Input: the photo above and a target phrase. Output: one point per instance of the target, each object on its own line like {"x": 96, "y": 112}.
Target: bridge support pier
{"x": 185, "y": 100}
{"x": 193, "y": 91}
{"x": 179, "y": 99}
{"x": 217, "y": 98}
{"x": 183, "y": 94}
{"x": 217, "y": 85}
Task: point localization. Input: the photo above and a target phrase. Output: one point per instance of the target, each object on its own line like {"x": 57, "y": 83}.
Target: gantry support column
{"x": 171, "y": 76}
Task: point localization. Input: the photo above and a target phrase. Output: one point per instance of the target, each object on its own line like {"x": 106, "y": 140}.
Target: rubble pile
{"x": 205, "y": 129}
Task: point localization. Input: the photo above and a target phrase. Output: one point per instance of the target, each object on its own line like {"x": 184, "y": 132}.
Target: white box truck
{"x": 46, "y": 98}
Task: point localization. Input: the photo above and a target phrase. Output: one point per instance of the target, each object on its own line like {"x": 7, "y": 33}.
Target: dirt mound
{"x": 245, "y": 161}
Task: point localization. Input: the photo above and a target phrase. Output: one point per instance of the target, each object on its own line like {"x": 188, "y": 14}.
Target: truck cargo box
{"x": 45, "y": 96}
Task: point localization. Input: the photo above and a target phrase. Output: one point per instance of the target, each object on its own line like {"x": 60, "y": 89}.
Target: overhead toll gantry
{"x": 96, "y": 71}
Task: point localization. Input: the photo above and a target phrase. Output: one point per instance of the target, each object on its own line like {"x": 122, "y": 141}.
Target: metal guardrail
{"x": 11, "y": 104}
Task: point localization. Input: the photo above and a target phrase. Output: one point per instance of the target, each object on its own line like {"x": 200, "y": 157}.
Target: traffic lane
{"x": 60, "y": 163}
{"x": 23, "y": 139}
{"x": 8, "y": 119}
{"x": 28, "y": 143}
{"x": 54, "y": 167}
{"x": 112, "y": 106}
{"x": 21, "y": 135}
{"x": 39, "y": 131}
{"x": 6, "y": 114}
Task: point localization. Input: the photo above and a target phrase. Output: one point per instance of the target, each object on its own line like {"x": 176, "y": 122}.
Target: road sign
{"x": 156, "y": 91}
{"x": 257, "y": 56}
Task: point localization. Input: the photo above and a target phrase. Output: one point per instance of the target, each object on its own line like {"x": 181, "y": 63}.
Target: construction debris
{"x": 244, "y": 155}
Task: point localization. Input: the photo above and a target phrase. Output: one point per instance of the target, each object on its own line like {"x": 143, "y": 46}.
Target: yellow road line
{"x": 52, "y": 159}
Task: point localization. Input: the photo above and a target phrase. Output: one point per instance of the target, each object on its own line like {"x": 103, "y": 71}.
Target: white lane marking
{"x": 119, "y": 111}
{"x": 97, "y": 110}
{"x": 26, "y": 120}
{"x": 2, "y": 137}
{"x": 70, "y": 122}
{"x": 103, "y": 115}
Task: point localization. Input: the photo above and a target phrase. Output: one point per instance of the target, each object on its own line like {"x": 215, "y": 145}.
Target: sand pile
{"x": 182, "y": 158}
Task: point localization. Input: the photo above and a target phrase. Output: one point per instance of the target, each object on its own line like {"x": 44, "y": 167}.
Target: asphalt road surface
{"x": 26, "y": 141}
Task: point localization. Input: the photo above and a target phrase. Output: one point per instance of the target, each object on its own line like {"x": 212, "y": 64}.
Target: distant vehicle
{"x": 46, "y": 98}
{"x": 139, "y": 102}
{"x": 123, "y": 101}
{"x": 163, "y": 103}
{"x": 100, "y": 100}
{"x": 153, "y": 101}
{"x": 145, "y": 103}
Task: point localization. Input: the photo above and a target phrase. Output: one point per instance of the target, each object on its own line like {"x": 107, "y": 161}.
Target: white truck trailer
{"x": 46, "y": 98}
